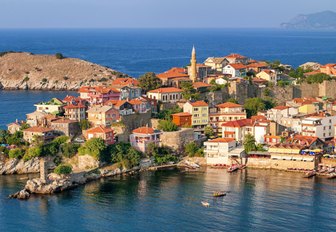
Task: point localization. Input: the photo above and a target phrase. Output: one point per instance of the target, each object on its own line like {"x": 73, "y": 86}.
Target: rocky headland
{"x": 27, "y": 71}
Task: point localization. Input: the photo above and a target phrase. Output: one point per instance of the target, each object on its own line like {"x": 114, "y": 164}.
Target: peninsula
{"x": 21, "y": 70}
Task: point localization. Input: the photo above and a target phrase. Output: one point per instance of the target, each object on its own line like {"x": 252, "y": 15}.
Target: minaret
{"x": 193, "y": 62}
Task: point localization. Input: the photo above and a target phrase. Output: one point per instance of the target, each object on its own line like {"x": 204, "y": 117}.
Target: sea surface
{"x": 259, "y": 200}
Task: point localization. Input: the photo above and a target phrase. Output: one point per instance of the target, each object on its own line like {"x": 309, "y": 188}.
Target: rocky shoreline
{"x": 19, "y": 166}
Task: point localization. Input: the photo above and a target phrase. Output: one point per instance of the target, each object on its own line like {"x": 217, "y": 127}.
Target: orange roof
{"x": 238, "y": 123}
{"x": 144, "y": 130}
{"x": 198, "y": 103}
{"x": 71, "y": 106}
{"x": 166, "y": 90}
{"x": 235, "y": 55}
{"x": 197, "y": 85}
{"x": 257, "y": 65}
{"x": 115, "y": 102}
{"x": 181, "y": 114}
{"x": 259, "y": 80}
{"x": 222, "y": 140}
{"x": 237, "y": 66}
{"x": 173, "y": 73}
{"x": 99, "y": 130}
{"x": 259, "y": 118}
{"x": 137, "y": 101}
{"x": 38, "y": 129}
{"x": 268, "y": 71}
{"x": 281, "y": 107}
{"x": 99, "y": 89}
{"x": 125, "y": 82}
{"x": 229, "y": 105}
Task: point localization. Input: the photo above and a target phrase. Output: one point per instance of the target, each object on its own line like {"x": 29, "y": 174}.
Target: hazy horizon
{"x": 134, "y": 14}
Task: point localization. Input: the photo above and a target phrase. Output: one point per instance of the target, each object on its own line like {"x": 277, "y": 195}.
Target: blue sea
{"x": 258, "y": 200}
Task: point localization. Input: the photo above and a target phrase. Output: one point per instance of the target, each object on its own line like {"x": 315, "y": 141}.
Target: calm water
{"x": 137, "y": 51}
{"x": 169, "y": 201}
{"x": 259, "y": 200}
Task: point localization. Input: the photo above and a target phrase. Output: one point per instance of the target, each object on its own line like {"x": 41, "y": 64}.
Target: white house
{"x": 319, "y": 126}
{"x": 222, "y": 151}
{"x": 169, "y": 94}
{"x": 235, "y": 70}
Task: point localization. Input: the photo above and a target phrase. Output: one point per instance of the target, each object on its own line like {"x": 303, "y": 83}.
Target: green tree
{"x": 84, "y": 124}
{"x": 267, "y": 92}
{"x": 192, "y": 149}
{"x": 209, "y": 132}
{"x": 63, "y": 169}
{"x": 124, "y": 154}
{"x": 167, "y": 125}
{"x": 166, "y": 114}
{"x": 149, "y": 81}
{"x": 33, "y": 152}
{"x": 69, "y": 149}
{"x": 318, "y": 78}
{"x": 253, "y": 105}
{"x": 189, "y": 93}
{"x": 94, "y": 147}
{"x": 249, "y": 143}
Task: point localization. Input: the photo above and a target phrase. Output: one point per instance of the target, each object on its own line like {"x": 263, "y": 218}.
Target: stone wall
{"x": 176, "y": 140}
{"x": 278, "y": 164}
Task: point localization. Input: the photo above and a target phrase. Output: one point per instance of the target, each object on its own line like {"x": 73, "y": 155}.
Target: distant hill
{"x": 47, "y": 72}
{"x": 325, "y": 20}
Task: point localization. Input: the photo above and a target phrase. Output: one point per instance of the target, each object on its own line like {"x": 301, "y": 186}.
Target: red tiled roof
{"x": 99, "y": 89}
{"x": 229, "y": 105}
{"x": 99, "y": 130}
{"x": 222, "y": 140}
{"x": 235, "y": 55}
{"x": 197, "y": 85}
{"x": 144, "y": 130}
{"x": 116, "y": 103}
{"x": 125, "y": 82}
{"x": 136, "y": 101}
{"x": 238, "y": 66}
{"x": 259, "y": 80}
{"x": 63, "y": 120}
{"x": 199, "y": 103}
{"x": 166, "y": 90}
{"x": 173, "y": 73}
{"x": 238, "y": 123}
{"x": 71, "y": 106}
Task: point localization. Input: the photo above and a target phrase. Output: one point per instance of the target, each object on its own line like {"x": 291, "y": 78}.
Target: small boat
{"x": 205, "y": 203}
{"x": 332, "y": 176}
{"x": 233, "y": 168}
{"x": 310, "y": 174}
{"x": 219, "y": 194}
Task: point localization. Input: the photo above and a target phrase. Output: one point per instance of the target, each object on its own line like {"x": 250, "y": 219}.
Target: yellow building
{"x": 200, "y": 113}
{"x": 102, "y": 115}
{"x": 308, "y": 109}
{"x": 268, "y": 75}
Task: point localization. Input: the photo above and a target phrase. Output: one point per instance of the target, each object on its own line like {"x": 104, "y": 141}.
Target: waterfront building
{"x": 216, "y": 63}
{"x": 200, "y": 114}
{"x": 143, "y": 136}
{"x": 321, "y": 126}
{"x": 64, "y": 126}
{"x": 75, "y": 112}
{"x": 182, "y": 119}
{"x": 238, "y": 129}
{"x": 54, "y": 106}
{"x": 168, "y": 94}
{"x": 222, "y": 151}
{"x": 235, "y": 70}
{"x": 14, "y": 126}
{"x": 225, "y": 112}
{"x": 107, "y": 134}
{"x": 102, "y": 115}
{"x": 36, "y": 132}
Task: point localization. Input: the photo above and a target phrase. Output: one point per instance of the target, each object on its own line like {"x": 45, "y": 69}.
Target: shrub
{"x": 69, "y": 149}
{"x": 124, "y": 154}
{"x": 96, "y": 148}
{"x": 192, "y": 149}
{"x": 16, "y": 153}
{"x": 59, "y": 56}
{"x": 167, "y": 125}
{"x": 44, "y": 80}
{"x": 63, "y": 169}
{"x": 32, "y": 152}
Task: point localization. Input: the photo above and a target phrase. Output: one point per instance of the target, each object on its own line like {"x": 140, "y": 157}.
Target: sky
{"x": 155, "y": 13}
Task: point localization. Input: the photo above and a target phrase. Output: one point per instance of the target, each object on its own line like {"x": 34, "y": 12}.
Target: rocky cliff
{"x": 48, "y": 72}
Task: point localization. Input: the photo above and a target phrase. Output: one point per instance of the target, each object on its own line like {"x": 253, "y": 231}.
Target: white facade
{"x": 276, "y": 114}
{"x": 220, "y": 151}
{"x": 321, "y": 127}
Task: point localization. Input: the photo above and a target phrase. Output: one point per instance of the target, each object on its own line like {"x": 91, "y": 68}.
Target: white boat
{"x": 205, "y": 203}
